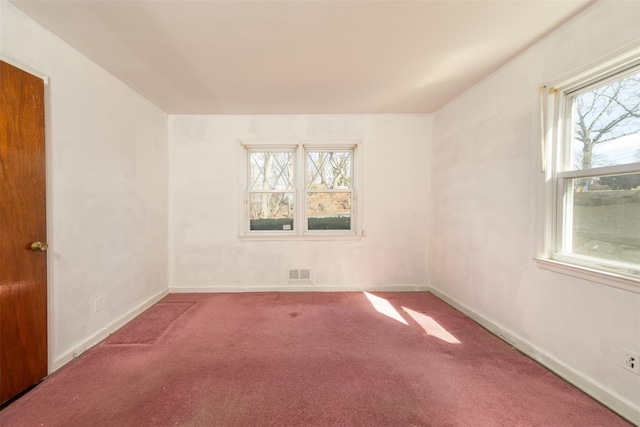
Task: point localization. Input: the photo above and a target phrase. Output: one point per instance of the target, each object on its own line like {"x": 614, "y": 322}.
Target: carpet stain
{"x": 295, "y": 314}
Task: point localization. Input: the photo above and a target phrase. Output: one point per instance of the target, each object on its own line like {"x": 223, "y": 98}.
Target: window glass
{"x": 606, "y": 124}
{"x": 328, "y": 170}
{"x": 271, "y": 211}
{"x": 271, "y": 170}
{"x": 329, "y": 211}
{"x": 606, "y": 217}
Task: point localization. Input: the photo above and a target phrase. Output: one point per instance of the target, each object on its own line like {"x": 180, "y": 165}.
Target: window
{"x": 271, "y": 193}
{"x": 300, "y": 190}
{"x": 593, "y": 174}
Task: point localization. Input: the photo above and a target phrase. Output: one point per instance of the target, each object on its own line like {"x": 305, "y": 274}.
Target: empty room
{"x": 319, "y": 213}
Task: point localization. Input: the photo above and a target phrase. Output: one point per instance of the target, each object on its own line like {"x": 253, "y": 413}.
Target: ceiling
{"x": 290, "y": 57}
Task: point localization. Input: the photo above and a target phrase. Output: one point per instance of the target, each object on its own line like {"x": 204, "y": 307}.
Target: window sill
{"x": 299, "y": 237}
{"x": 615, "y": 280}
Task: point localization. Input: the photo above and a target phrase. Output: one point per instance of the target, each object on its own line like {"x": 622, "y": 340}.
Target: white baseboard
{"x": 604, "y": 395}
{"x": 294, "y": 287}
{"x": 103, "y": 333}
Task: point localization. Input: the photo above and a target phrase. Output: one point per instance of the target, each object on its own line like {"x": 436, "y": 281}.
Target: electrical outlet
{"x": 631, "y": 361}
{"x": 97, "y": 304}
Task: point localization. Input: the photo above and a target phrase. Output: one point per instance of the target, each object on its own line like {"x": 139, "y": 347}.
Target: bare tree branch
{"x": 592, "y": 125}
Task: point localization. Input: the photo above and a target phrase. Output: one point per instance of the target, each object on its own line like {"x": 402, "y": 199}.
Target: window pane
{"x": 328, "y": 170}
{"x": 271, "y": 211}
{"x": 329, "y": 211}
{"x": 606, "y": 217}
{"x": 606, "y": 124}
{"x": 271, "y": 170}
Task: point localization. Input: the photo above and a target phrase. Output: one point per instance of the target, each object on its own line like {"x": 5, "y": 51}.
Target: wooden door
{"x": 23, "y": 268}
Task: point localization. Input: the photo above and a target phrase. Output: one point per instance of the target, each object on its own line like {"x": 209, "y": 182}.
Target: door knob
{"x": 39, "y": 246}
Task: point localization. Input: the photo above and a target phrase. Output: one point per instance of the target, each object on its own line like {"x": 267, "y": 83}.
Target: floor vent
{"x": 302, "y": 275}
{"x": 305, "y": 274}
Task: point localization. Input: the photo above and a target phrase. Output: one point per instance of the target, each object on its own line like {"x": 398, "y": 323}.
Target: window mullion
{"x": 301, "y": 197}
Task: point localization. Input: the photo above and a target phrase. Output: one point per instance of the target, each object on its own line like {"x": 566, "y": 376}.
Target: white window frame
{"x": 556, "y": 158}
{"x": 300, "y": 223}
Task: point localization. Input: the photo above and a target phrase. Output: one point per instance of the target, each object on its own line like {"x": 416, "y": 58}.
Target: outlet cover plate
{"x": 631, "y": 360}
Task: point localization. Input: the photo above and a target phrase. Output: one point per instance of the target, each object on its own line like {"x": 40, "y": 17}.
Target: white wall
{"x": 487, "y": 212}
{"x": 107, "y": 188}
{"x": 206, "y": 250}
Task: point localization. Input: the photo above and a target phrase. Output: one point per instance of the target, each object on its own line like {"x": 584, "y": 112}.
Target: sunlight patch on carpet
{"x": 431, "y": 327}
{"x": 147, "y": 328}
{"x": 383, "y": 306}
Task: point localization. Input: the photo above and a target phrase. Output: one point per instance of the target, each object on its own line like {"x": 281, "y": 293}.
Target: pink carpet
{"x": 150, "y": 325}
{"x": 304, "y": 359}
